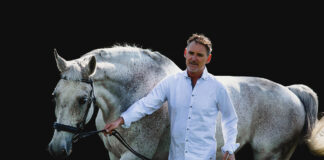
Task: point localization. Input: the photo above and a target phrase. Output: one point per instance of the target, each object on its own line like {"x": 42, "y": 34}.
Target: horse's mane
{"x": 119, "y": 56}
{"x": 125, "y": 50}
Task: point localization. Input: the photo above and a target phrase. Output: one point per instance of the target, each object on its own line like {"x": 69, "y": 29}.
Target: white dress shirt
{"x": 192, "y": 113}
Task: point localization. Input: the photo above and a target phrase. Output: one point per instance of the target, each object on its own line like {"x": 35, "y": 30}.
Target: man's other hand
{"x": 228, "y": 156}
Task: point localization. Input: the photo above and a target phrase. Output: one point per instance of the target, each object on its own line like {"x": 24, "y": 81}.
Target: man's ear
{"x": 209, "y": 58}
{"x": 185, "y": 52}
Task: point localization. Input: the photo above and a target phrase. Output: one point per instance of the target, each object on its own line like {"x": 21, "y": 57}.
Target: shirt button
{"x": 186, "y": 140}
{"x": 190, "y": 106}
{"x": 193, "y": 95}
{"x": 187, "y": 129}
{"x": 189, "y": 118}
{"x": 186, "y": 151}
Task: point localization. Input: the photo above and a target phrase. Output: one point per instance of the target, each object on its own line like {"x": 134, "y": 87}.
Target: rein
{"x": 79, "y": 132}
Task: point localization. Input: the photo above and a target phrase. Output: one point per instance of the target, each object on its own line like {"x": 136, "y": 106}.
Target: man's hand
{"x": 228, "y": 156}
{"x": 113, "y": 125}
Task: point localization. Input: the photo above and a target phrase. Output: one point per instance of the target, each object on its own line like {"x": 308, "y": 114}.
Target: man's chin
{"x": 193, "y": 70}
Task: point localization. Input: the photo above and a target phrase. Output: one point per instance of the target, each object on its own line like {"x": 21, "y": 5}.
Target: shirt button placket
{"x": 188, "y": 124}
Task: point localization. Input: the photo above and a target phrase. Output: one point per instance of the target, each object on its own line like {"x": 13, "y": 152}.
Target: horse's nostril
{"x": 64, "y": 152}
{"x": 57, "y": 153}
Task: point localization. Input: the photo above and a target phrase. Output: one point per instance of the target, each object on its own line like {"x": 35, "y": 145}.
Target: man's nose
{"x": 194, "y": 57}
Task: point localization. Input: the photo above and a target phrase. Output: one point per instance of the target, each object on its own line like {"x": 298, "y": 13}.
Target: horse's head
{"x": 72, "y": 97}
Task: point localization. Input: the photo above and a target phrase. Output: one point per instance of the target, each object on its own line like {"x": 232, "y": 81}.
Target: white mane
{"x": 117, "y": 59}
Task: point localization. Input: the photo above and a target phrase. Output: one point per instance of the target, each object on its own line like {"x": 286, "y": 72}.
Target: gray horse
{"x": 273, "y": 118}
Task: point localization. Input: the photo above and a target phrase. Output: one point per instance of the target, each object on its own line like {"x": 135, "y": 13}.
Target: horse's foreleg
{"x": 162, "y": 151}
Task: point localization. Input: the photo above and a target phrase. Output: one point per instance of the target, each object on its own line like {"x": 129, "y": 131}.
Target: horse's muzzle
{"x": 60, "y": 151}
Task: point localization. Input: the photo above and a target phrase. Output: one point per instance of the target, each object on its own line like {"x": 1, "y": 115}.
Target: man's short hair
{"x": 201, "y": 39}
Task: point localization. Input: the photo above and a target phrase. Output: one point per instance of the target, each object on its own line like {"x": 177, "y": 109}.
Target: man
{"x": 194, "y": 98}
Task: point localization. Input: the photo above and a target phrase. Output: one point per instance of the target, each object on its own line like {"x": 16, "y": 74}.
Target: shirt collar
{"x": 204, "y": 76}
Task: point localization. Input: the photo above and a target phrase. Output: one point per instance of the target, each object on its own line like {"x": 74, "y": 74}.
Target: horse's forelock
{"x": 77, "y": 69}
{"x": 74, "y": 72}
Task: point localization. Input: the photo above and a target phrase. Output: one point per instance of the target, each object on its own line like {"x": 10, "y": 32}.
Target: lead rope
{"x": 114, "y": 133}
{"x": 122, "y": 141}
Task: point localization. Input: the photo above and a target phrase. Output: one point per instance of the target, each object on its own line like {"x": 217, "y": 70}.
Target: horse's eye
{"x": 83, "y": 100}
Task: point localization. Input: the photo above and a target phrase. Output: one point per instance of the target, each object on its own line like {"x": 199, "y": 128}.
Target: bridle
{"x": 79, "y": 132}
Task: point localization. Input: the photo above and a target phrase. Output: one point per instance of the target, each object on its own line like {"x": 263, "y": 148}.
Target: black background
{"x": 279, "y": 42}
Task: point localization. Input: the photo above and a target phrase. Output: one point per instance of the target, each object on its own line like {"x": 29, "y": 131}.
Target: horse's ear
{"x": 92, "y": 66}
{"x": 61, "y": 62}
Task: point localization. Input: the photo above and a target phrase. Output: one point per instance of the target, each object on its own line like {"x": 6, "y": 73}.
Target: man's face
{"x": 196, "y": 57}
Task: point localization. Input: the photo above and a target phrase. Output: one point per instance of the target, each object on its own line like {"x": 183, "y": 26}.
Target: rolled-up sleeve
{"x": 147, "y": 105}
{"x": 229, "y": 122}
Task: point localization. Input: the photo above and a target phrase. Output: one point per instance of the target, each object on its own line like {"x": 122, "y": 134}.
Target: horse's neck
{"x": 122, "y": 80}
{"x": 117, "y": 89}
